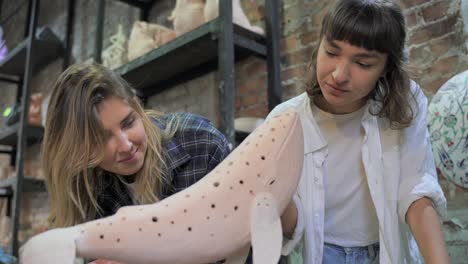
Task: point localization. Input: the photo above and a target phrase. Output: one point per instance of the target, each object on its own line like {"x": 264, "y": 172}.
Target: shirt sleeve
{"x": 418, "y": 173}
{"x": 219, "y": 149}
{"x": 290, "y": 243}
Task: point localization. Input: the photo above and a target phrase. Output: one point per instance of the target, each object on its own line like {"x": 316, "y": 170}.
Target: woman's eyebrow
{"x": 127, "y": 118}
{"x": 365, "y": 55}
{"x": 361, "y": 55}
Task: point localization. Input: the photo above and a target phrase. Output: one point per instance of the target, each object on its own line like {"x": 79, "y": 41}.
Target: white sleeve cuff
{"x": 290, "y": 244}
{"x": 429, "y": 188}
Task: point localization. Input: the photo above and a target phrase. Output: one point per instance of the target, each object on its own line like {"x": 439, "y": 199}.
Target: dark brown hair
{"x": 373, "y": 25}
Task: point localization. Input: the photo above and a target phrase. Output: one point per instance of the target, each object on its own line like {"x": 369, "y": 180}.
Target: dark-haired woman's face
{"x": 126, "y": 143}
{"x": 346, "y": 75}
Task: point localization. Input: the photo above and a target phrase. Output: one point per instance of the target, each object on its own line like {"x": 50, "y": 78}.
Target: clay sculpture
{"x": 236, "y": 205}
{"x": 187, "y": 15}
{"x": 238, "y": 16}
{"x": 116, "y": 54}
{"x": 145, "y": 37}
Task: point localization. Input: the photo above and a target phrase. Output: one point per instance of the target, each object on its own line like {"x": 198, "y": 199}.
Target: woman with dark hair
{"x": 369, "y": 191}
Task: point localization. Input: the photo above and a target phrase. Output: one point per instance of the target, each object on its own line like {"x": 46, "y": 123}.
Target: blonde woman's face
{"x": 346, "y": 75}
{"x": 126, "y": 141}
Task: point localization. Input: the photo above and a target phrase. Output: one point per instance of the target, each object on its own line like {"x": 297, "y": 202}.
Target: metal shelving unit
{"x": 216, "y": 45}
{"x": 39, "y": 48}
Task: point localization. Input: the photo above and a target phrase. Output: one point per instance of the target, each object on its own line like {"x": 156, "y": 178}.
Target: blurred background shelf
{"x": 48, "y": 47}
{"x": 186, "y": 57}
{"x": 9, "y": 135}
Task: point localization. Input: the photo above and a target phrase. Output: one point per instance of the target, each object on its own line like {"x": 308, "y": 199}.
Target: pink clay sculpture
{"x": 235, "y": 206}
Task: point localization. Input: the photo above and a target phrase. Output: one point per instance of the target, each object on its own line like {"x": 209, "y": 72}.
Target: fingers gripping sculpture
{"x": 236, "y": 205}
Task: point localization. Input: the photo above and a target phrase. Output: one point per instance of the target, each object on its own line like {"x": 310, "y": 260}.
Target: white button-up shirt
{"x": 399, "y": 167}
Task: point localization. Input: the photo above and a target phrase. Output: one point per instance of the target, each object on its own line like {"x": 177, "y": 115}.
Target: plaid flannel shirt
{"x": 194, "y": 150}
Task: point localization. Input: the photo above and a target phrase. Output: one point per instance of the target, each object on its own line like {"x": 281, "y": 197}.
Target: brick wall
{"x": 437, "y": 43}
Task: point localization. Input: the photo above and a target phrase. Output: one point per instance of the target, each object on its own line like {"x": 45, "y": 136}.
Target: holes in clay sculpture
{"x": 140, "y": 229}
{"x": 159, "y": 234}
{"x": 263, "y": 157}
{"x": 258, "y": 175}
{"x": 110, "y": 224}
{"x": 227, "y": 172}
{"x": 213, "y": 206}
{"x": 187, "y": 196}
{"x": 235, "y": 208}
{"x": 118, "y": 240}
{"x": 123, "y": 218}
{"x": 101, "y": 236}
{"x": 241, "y": 182}
{"x": 172, "y": 222}
{"x": 251, "y": 192}
{"x": 203, "y": 196}
{"x": 225, "y": 216}
{"x": 231, "y": 188}
{"x": 155, "y": 219}
{"x": 272, "y": 140}
{"x": 189, "y": 229}
{"x": 247, "y": 163}
{"x": 272, "y": 129}
{"x": 207, "y": 218}
{"x": 216, "y": 184}
{"x": 230, "y": 163}
{"x": 260, "y": 136}
{"x": 185, "y": 211}
{"x": 98, "y": 223}
{"x": 273, "y": 181}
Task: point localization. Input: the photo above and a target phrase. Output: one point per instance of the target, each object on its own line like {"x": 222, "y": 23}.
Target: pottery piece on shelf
{"x": 187, "y": 15}
{"x": 116, "y": 54}
{"x": 238, "y": 15}
{"x": 448, "y": 127}
{"x": 146, "y": 37}
{"x": 34, "y": 113}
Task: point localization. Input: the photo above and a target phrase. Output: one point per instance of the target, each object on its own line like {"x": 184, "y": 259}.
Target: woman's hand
{"x": 289, "y": 219}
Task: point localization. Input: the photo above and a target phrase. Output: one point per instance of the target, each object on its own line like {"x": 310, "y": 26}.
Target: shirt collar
{"x": 174, "y": 153}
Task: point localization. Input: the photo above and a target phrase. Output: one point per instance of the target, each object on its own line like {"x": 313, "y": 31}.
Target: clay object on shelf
{"x": 34, "y": 114}
{"x": 146, "y": 37}
{"x": 238, "y": 15}
{"x": 187, "y": 15}
{"x": 448, "y": 127}
{"x": 116, "y": 54}
{"x": 236, "y": 205}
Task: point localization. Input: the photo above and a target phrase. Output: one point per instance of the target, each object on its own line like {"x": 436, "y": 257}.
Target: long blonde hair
{"x": 74, "y": 142}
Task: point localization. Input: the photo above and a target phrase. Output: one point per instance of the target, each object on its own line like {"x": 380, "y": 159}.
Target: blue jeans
{"x": 333, "y": 254}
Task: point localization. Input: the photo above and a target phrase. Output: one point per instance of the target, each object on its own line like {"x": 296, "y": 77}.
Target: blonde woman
{"x": 102, "y": 151}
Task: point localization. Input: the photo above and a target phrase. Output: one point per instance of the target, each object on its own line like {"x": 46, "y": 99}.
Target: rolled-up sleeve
{"x": 290, "y": 243}
{"x": 418, "y": 173}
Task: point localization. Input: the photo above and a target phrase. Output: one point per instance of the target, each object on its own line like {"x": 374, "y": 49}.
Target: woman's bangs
{"x": 363, "y": 31}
